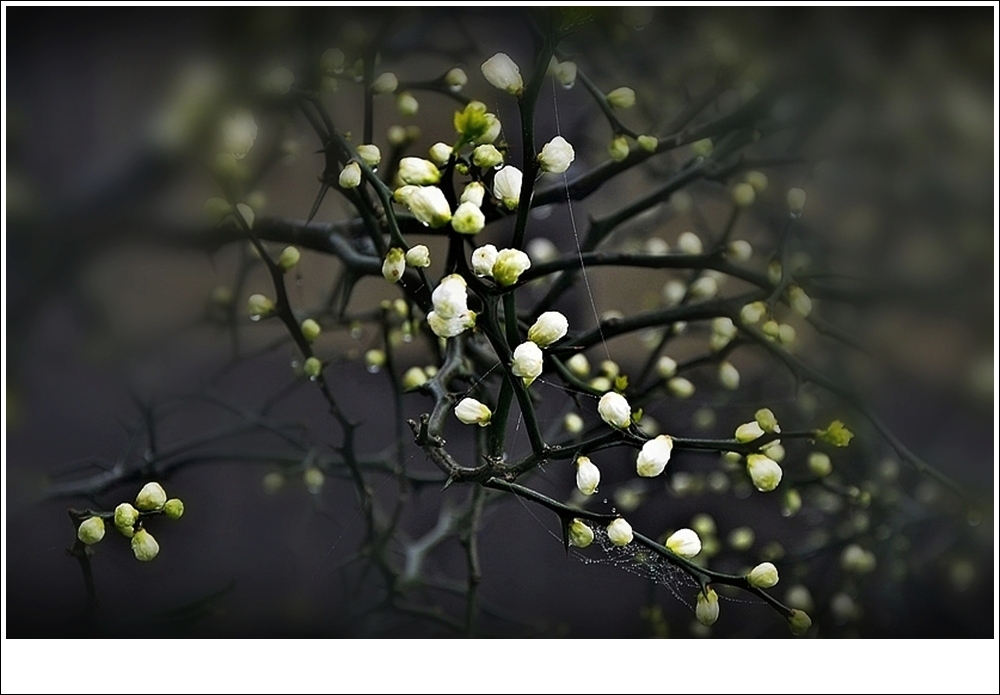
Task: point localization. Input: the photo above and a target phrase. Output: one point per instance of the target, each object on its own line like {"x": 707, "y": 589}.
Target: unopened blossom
{"x": 527, "y": 362}
{"x": 151, "y": 497}
{"x": 615, "y": 410}
{"x": 418, "y": 256}
{"x": 654, "y": 456}
{"x": 690, "y": 243}
{"x": 468, "y": 219}
{"x": 556, "y": 155}
{"x": 509, "y": 265}
{"x": 618, "y": 148}
{"x": 502, "y": 72}
{"x": 767, "y": 421}
{"x": 739, "y": 250}
{"x": 580, "y": 535}
{"x": 350, "y": 176}
{"x": 796, "y": 199}
{"x": 90, "y": 530}
{"x": 507, "y": 186}
{"x": 451, "y": 315}
{"x": 483, "y": 259}
{"x": 473, "y": 193}
{"x": 428, "y": 204}
{"x": 764, "y": 472}
{"x": 621, "y": 98}
{"x": 588, "y": 476}
{"x": 763, "y": 576}
{"x": 620, "y": 532}
{"x": 370, "y": 155}
{"x": 440, "y": 153}
{"x": 748, "y": 432}
{"x": 394, "y": 264}
{"x": 386, "y": 83}
{"x": 706, "y": 609}
{"x": 456, "y": 79}
{"x": 487, "y": 156}
{"x": 472, "y": 412}
{"x": 800, "y": 302}
{"x": 144, "y": 546}
{"x": 548, "y": 328}
{"x": 684, "y": 542}
{"x": 799, "y": 622}
{"x": 418, "y": 171}
{"x": 238, "y": 133}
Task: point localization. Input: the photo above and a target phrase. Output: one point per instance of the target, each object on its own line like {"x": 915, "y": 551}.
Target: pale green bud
{"x": 741, "y": 538}
{"x": 580, "y": 535}
{"x": 509, "y": 265}
{"x": 312, "y": 367}
{"x": 440, "y": 154}
{"x": 144, "y": 546}
{"x": 370, "y": 155}
{"x": 289, "y": 258}
{"x": 374, "y": 359}
{"x": 311, "y": 330}
{"x": 739, "y": 250}
{"x": 763, "y": 576}
{"x": 618, "y": 148}
{"x": 703, "y": 524}
{"x": 757, "y": 179}
{"x": 487, "y": 156}
{"x": 456, "y": 79}
{"x": 125, "y": 517}
{"x": 418, "y": 256}
{"x": 173, "y": 508}
{"x": 729, "y": 376}
{"x": 350, "y": 175}
{"x": 407, "y": 104}
{"x": 856, "y": 559}
{"x": 666, "y": 367}
{"x": 548, "y": 328}
{"x": 704, "y": 287}
{"x": 690, "y": 243}
{"x": 332, "y": 61}
{"x": 744, "y": 195}
{"x": 386, "y": 83}
{"x": 314, "y": 479}
{"x": 238, "y": 134}
{"x": 680, "y": 387}
{"x": 748, "y": 432}
{"x": 791, "y": 503}
{"x": 217, "y": 208}
{"x": 767, "y": 421}
{"x": 796, "y": 199}
{"x": 799, "y": 300}
{"x": 573, "y": 423}
{"x": 707, "y": 608}
{"x": 414, "y": 378}
{"x": 91, "y": 530}
{"x": 753, "y": 312}
{"x": 799, "y": 622}
{"x": 151, "y": 497}
{"x": 786, "y": 334}
{"x": 648, "y": 143}
{"x": 764, "y": 472}
{"x": 702, "y": 148}
{"x": 770, "y": 328}
{"x": 819, "y": 464}
{"x": 621, "y": 98}
{"x": 578, "y": 366}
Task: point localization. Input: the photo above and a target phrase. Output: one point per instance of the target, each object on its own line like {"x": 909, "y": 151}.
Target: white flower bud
{"x": 707, "y": 608}
{"x": 527, "y": 362}
{"x": 418, "y": 171}
{"x": 740, "y": 250}
{"x": 440, "y": 153}
{"x": 767, "y": 421}
{"x": 91, "y": 530}
{"x": 620, "y": 532}
{"x": 588, "y": 476}
{"x": 455, "y": 79}
{"x": 684, "y": 542}
{"x": 704, "y": 287}
{"x": 418, "y": 256}
{"x": 680, "y": 387}
{"x": 509, "y": 265}
{"x": 786, "y": 334}
{"x": 468, "y": 219}
{"x": 428, "y": 204}
{"x": 764, "y": 472}
{"x": 173, "y": 509}
{"x": 819, "y": 464}
{"x": 507, "y": 186}
{"x": 799, "y": 622}
{"x": 394, "y": 264}
{"x": 144, "y": 546}
{"x": 757, "y": 179}
{"x": 374, "y": 360}
{"x": 472, "y": 412}
{"x": 753, "y": 312}
{"x": 556, "y": 155}
{"x": 615, "y": 410}
{"x": 473, "y": 193}
{"x": 565, "y": 73}
{"x": 689, "y": 243}
{"x": 312, "y": 367}
{"x": 407, "y": 104}
{"x": 386, "y": 83}
{"x": 151, "y": 497}
{"x": 573, "y": 423}
{"x": 763, "y": 576}
{"x": 550, "y": 327}
{"x": 578, "y": 366}
{"x": 654, "y": 456}
{"x": 744, "y": 195}
{"x": 350, "y": 175}
{"x": 621, "y": 98}
{"x": 648, "y": 143}
{"x": 487, "y": 156}
{"x": 483, "y": 259}
{"x": 125, "y": 517}
{"x": 666, "y": 367}
{"x": 503, "y": 73}
{"x": 580, "y": 535}
{"x": 450, "y": 297}
{"x": 310, "y": 330}
{"x": 796, "y": 199}
{"x": 748, "y": 431}
{"x": 239, "y": 133}
{"x": 799, "y": 300}
{"x": 729, "y": 376}
{"x": 618, "y": 148}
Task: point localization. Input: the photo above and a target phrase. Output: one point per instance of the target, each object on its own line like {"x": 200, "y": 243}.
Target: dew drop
{"x": 255, "y": 317}
{"x": 373, "y": 369}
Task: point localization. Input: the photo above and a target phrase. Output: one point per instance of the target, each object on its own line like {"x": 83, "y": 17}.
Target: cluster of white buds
{"x": 151, "y": 500}
{"x": 451, "y": 315}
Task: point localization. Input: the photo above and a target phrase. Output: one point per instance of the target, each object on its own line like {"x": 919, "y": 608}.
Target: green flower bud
{"x": 418, "y": 256}
{"x": 799, "y": 622}
{"x": 618, "y": 148}
{"x": 151, "y": 497}
{"x": 648, "y": 143}
{"x": 819, "y": 464}
{"x": 757, "y": 179}
{"x": 621, "y": 98}
{"x": 350, "y": 175}
{"x": 394, "y": 264}
{"x": 796, "y": 199}
{"x": 680, "y": 387}
{"x": 440, "y": 154}
{"x": 310, "y": 330}
{"x": 289, "y": 258}
{"x": 580, "y": 535}
{"x": 835, "y": 435}
{"x": 217, "y": 208}
{"x": 91, "y": 530}
{"x": 578, "y": 365}
{"x": 739, "y": 250}
{"x": 456, "y": 79}
{"x": 144, "y": 546}
{"x": 702, "y": 148}
{"x": 764, "y": 472}
{"x": 312, "y": 367}
{"x": 487, "y": 156}
{"x": 370, "y": 155}
{"x": 414, "y": 378}
{"x": 690, "y": 243}
{"x": 767, "y": 421}
{"x": 386, "y": 83}
{"x": 407, "y": 104}
{"x": 707, "y": 608}
{"x": 509, "y": 265}
{"x": 573, "y": 423}
{"x": 744, "y": 195}
{"x": 173, "y": 508}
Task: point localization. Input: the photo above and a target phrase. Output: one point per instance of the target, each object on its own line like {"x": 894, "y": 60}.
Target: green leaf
{"x": 835, "y": 435}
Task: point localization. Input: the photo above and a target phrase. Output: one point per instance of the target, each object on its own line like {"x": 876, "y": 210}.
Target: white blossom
{"x": 615, "y": 410}
{"x": 764, "y": 472}
{"x": 487, "y": 156}
{"x": 418, "y": 256}
{"x": 527, "y": 362}
{"x": 580, "y": 535}
{"x": 394, "y": 264}
{"x": 556, "y": 155}
{"x": 684, "y": 542}
{"x": 502, "y": 72}
{"x": 350, "y": 176}
{"x": 620, "y": 532}
{"x": 483, "y": 260}
{"x": 468, "y": 219}
{"x": 509, "y": 265}
{"x": 548, "y": 328}
{"x": 763, "y": 576}
{"x": 418, "y": 171}
{"x": 507, "y": 186}
{"x": 588, "y": 476}
{"x": 473, "y": 193}
{"x": 654, "y": 456}
{"x": 428, "y": 204}
{"x": 472, "y": 412}
{"x": 440, "y": 153}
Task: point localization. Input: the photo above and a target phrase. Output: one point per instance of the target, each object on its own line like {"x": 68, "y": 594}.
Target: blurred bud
{"x": 541, "y": 250}
{"x": 509, "y": 265}
{"x": 615, "y": 410}
{"x": 144, "y": 546}
{"x": 620, "y": 532}
{"x": 744, "y": 195}
{"x": 578, "y": 366}
{"x": 564, "y": 72}
{"x": 679, "y": 387}
{"x": 173, "y": 508}
{"x": 758, "y": 180}
{"x": 314, "y": 479}
{"x": 217, "y": 208}
{"x": 621, "y": 98}
{"x": 618, "y": 148}
{"x": 703, "y": 524}
{"x": 799, "y": 597}
{"x": 856, "y": 559}
{"x": 310, "y": 330}
{"x": 556, "y": 155}
{"x": 819, "y": 464}
{"x": 332, "y": 61}
{"x": 752, "y": 313}
{"x": 729, "y": 376}
{"x": 151, "y": 497}
{"x": 684, "y": 542}
{"x": 702, "y": 148}
{"x": 786, "y": 334}
{"x": 238, "y": 134}
{"x": 414, "y": 378}
{"x": 418, "y": 256}
{"x": 483, "y": 259}
{"x": 707, "y": 608}
{"x": 312, "y": 367}
{"x": 580, "y": 535}
{"x": 704, "y": 287}
{"x": 503, "y": 73}
{"x": 407, "y": 104}
{"x": 90, "y": 530}
{"x": 471, "y": 412}
{"x": 455, "y": 79}
{"x": 674, "y": 291}
{"x": 278, "y": 81}
{"x": 689, "y": 243}
{"x": 374, "y": 359}
{"x": 666, "y": 367}
{"x": 796, "y": 199}
{"x": 573, "y": 423}
{"x": 800, "y": 302}
{"x": 246, "y": 213}
{"x": 741, "y": 538}
{"x": 386, "y": 83}
{"x": 799, "y": 622}
{"x": 272, "y": 482}
{"x": 289, "y": 258}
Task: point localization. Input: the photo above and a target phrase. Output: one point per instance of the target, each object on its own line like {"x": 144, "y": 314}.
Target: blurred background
{"x": 884, "y": 115}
